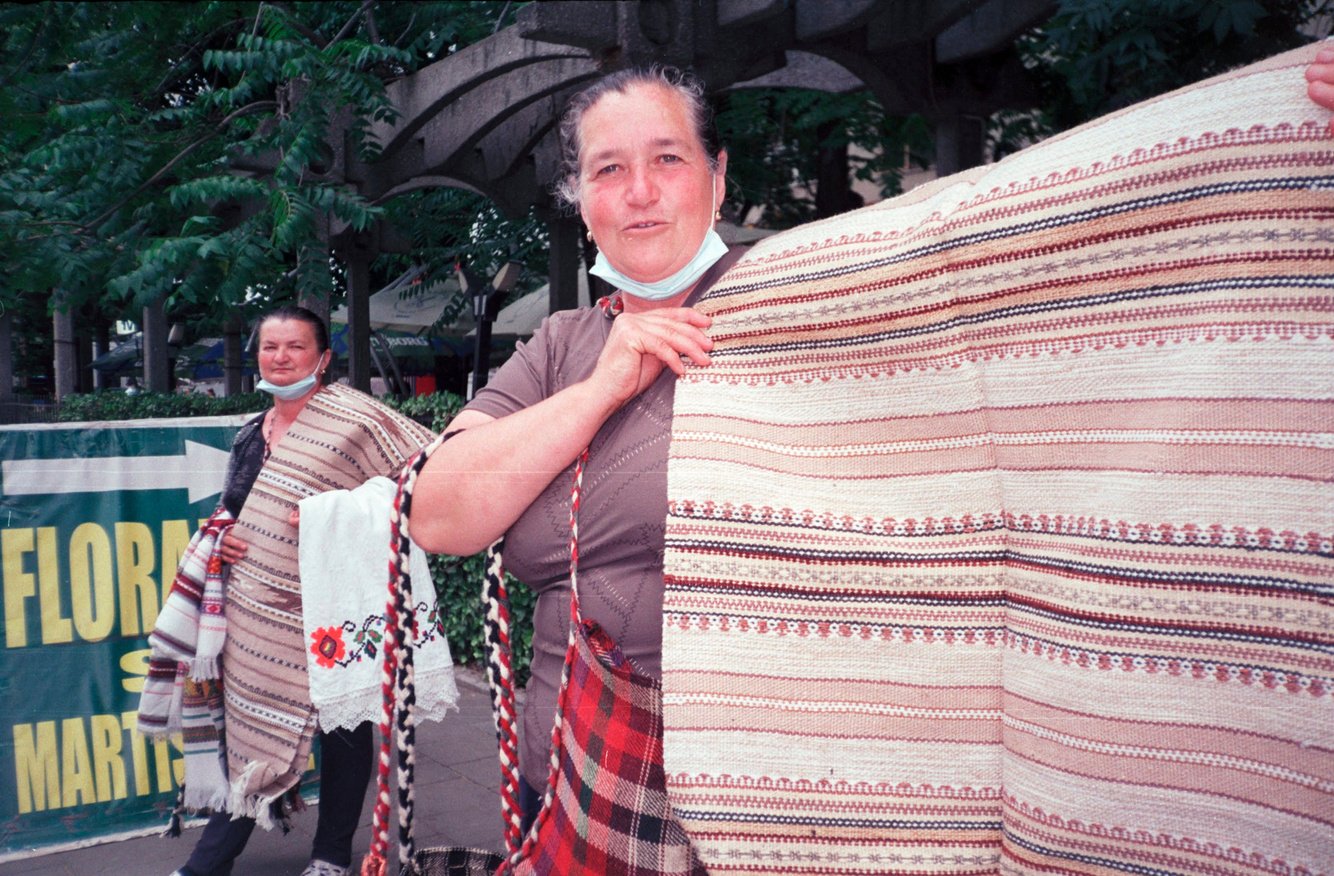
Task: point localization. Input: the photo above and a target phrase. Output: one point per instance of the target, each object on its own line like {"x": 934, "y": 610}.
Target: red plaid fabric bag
{"x": 605, "y": 809}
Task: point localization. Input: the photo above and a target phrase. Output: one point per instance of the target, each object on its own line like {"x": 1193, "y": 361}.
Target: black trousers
{"x": 346, "y": 760}
{"x": 530, "y": 803}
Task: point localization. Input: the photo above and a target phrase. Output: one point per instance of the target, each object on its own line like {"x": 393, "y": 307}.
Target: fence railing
{"x": 15, "y": 413}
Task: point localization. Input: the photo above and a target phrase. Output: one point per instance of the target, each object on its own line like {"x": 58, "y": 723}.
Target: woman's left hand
{"x": 1320, "y": 80}
{"x": 233, "y": 549}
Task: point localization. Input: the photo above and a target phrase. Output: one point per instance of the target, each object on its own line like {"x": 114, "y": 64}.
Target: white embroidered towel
{"x": 344, "y": 554}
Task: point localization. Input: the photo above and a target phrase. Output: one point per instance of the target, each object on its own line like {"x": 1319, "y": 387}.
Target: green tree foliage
{"x": 125, "y": 123}
{"x": 450, "y": 226}
{"x": 1096, "y": 56}
{"x": 774, "y": 138}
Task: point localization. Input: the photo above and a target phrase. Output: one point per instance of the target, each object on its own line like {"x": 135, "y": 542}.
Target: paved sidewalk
{"x": 458, "y": 803}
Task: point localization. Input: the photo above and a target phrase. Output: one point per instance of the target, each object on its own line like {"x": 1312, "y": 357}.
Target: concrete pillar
{"x": 157, "y": 359}
{"x": 563, "y": 263}
{"x": 358, "y": 318}
{"x": 959, "y": 143}
{"x": 233, "y": 354}
{"x": 65, "y": 355}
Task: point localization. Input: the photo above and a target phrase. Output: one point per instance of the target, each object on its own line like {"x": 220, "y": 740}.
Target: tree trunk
{"x": 960, "y": 141}
{"x": 101, "y": 344}
{"x": 563, "y": 264}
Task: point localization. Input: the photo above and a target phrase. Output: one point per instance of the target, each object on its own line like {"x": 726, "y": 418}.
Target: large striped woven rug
{"x": 1001, "y": 530}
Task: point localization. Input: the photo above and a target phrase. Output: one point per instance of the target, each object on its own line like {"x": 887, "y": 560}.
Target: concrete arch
{"x": 485, "y": 117}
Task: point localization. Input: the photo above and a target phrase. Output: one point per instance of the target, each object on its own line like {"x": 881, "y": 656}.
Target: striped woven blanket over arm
{"x": 1001, "y": 531}
{"x": 341, "y": 439}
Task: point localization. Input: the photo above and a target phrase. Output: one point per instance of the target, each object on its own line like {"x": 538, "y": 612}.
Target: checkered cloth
{"x": 610, "y": 812}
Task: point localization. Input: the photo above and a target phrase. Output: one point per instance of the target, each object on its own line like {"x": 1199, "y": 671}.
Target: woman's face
{"x": 287, "y": 351}
{"x": 645, "y": 190}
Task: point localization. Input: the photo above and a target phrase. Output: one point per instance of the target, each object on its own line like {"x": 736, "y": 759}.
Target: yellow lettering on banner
{"x": 176, "y": 536}
{"x": 76, "y": 773}
{"x": 108, "y": 765}
{"x": 134, "y": 573}
{"x": 20, "y": 586}
{"x": 54, "y": 768}
{"x": 92, "y": 592}
{"x": 138, "y": 753}
{"x": 56, "y": 627}
{"x": 36, "y": 767}
{"x": 135, "y": 666}
{"x": 177, "y": 763}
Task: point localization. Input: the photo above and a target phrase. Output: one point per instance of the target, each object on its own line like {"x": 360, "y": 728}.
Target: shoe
{"x": 316, "y": 867}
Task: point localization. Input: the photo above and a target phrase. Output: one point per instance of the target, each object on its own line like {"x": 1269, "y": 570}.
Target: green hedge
{"x": 118, "y": 405}
{"x": 458, "y": 580}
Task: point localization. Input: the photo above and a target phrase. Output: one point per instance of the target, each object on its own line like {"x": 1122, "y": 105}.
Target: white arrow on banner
{"x": 200, "y": 470}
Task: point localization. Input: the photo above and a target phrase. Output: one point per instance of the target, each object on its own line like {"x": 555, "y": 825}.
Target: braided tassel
{"x": 395, "y": 673}
{"x": 406, "y": 690}
{"x": 397, "y": 684}
{"x": 499, "y": 670}
{"x": 374, "y": 863}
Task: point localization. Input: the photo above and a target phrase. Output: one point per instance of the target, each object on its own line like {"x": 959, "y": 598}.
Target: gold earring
{"x": 589, "y": 235}
{"x": 717, "y": 215}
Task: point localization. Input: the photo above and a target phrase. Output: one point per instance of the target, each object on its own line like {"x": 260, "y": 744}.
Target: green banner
{"x": 95, "y": 517}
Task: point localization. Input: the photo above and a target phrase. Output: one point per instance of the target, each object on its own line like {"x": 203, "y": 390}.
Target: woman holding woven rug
{"x": 644, "y": 169}
{"x": 314, "y": 440}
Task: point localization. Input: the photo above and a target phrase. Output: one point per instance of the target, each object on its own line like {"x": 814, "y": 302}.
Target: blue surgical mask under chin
{"x": 710, "y": 250}
{"x": 292, "y": 390}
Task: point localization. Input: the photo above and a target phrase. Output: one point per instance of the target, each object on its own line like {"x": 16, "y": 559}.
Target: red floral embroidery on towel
{"x": 328, "y": 646}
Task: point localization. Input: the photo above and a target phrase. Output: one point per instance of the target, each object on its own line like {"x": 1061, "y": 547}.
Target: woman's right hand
{"x": 642, "y": 344}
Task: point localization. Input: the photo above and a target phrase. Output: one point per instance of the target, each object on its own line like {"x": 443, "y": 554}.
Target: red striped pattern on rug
{"x": 1001, "y": 529}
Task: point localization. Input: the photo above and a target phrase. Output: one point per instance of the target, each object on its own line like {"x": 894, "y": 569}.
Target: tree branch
{"x": 191, "y": 52}
{"x": 32, "y": 47}
{"x": 406, "y": 30}
{"x": 347, "y": 28}
{"x": 314, "y": 36}
{"x": 501, "y": 17}
{"x": 372, "y": 30}
{"x": 180, "y": 156}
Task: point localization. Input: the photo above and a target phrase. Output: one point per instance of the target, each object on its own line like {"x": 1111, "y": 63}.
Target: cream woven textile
{"x": 1001, "y": 530}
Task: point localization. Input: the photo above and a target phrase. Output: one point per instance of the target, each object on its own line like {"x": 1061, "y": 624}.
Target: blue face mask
{"x": 710, "y": 250}
{"x": 292, "y": 390}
